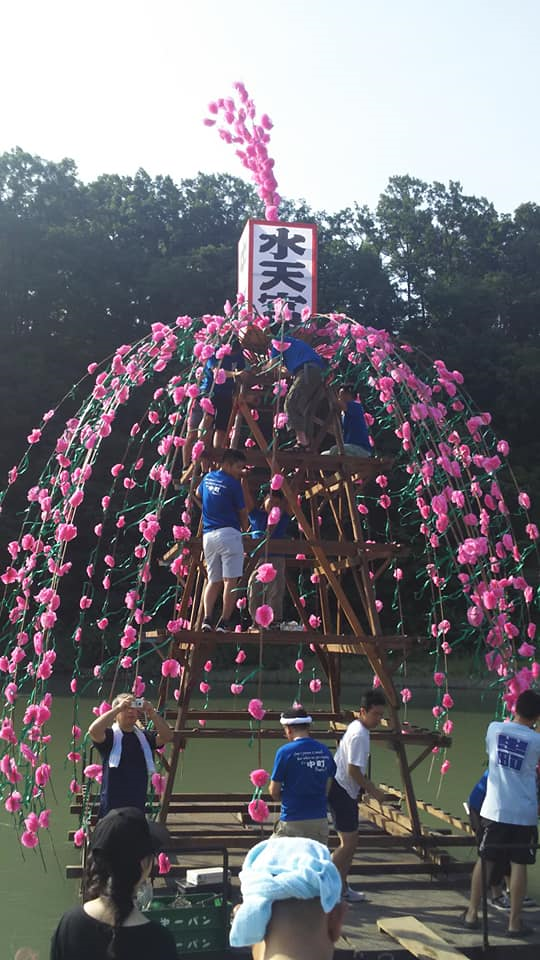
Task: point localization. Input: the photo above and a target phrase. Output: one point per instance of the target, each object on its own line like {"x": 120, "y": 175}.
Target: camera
{"x": 138, "y": 702}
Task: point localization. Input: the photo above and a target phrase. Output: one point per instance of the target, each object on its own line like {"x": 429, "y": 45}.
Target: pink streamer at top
{"x": 241, "y": 127}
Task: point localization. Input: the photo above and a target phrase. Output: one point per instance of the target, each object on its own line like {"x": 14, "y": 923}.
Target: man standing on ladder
{"x": 351, "y": 781}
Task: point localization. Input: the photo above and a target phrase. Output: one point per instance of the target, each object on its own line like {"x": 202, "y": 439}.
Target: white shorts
{"x": 224, "y": 554}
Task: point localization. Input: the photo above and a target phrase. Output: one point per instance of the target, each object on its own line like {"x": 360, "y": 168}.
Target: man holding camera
{"x": 127, "y": 751}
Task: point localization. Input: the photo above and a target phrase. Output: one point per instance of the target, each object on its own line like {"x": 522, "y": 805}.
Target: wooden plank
{"x": 418, "y": 939}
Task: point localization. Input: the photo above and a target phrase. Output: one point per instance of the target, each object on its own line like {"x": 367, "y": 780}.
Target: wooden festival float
{"x": 431, "y": 531}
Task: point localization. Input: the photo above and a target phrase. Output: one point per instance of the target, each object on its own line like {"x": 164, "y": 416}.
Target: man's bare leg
{"x": 518, "y": 888}
{"x": 343, "y": 856}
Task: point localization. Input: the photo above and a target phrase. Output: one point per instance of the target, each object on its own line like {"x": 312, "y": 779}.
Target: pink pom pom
{"x": 259, "y": 777}
{"x": 258, "y": 811}
{"x": 264, "y": 615}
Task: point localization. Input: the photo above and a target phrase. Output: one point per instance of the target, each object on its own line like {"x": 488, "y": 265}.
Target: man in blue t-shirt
{"x": 224, "y": 516}
{"x": 226, "y": 368}
{"x": 301, "y": 778}
{"x": 269, "y": 520}
{"x": 353, "y": 424}
{"x": 307, "y": 369}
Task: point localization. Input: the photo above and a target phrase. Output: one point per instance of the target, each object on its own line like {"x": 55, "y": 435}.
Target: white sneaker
{"x": 353, "y": 896}
{"x": 291, "y": 625}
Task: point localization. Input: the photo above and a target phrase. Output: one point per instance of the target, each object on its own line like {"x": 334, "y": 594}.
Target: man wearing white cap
{"x": 301, "y": 778}
{"x": 291, "y": 901}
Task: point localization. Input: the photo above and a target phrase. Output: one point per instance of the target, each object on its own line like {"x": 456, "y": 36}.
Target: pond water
{"x": 34, "y": 891}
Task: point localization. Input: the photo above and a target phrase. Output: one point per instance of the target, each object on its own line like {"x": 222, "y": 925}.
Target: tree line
{"x": 85, "y": 267}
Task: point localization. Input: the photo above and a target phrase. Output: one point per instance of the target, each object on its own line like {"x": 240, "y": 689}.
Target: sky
{"x": 358, "y": 90}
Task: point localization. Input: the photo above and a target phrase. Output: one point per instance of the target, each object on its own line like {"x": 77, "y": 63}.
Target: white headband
{"x": 295, "y": 721}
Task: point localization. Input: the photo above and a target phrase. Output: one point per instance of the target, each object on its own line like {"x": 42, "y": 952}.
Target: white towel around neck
{"x": 116, "y": 752}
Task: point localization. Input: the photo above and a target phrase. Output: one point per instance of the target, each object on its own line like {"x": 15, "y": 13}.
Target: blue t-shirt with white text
{"x": 303, "y": 768}
{"x": 222, "y": 499}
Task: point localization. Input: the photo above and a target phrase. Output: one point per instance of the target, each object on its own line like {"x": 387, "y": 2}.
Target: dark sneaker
{"x": 502, "y": 902}
{"x": 224, "y": 627}
{"x": 206, "y": 625}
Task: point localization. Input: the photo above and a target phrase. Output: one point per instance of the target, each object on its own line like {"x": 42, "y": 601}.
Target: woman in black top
{"x": 109, "y": 926}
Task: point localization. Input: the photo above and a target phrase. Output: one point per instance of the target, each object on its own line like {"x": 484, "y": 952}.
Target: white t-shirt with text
{"x": 514, "y": 751}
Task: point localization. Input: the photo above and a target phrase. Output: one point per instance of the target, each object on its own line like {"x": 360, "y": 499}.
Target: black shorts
{"x": 512, "y": 840}
{"x": 344, "y": 809}
{"x": 222, "y": 405}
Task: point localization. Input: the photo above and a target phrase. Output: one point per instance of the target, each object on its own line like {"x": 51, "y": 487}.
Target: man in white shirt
{"x": 351, "y": 781}
{"x": 509, "y": 812}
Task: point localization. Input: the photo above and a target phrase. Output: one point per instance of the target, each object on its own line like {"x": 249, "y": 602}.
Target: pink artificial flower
{"x": 170, "y": 668}
{"x": 526, "y": 650}
{"x": 13, "y": 802}
{"x": 93, "y": 771}
{"x": 264, "y": 615}
{"x": 524, "y": 500}
{"x": 445, "y": 766}
{"x": 78, "y": 839}
{"x": 447, "y": 701}
{"x": 315, "y": 685}
{"x": 266, "y": 572}
{"x": 236, "y": 689}
{"x": 259, "y": 777}
{"x": 198, "y": 449}
{"x": 438, "y": 679}
{"x": 164, "y": 863}
{"x": 406, "y": 695}
{"x": 281, "y": 345}
{"x": 207, "y": 406}
{"x": 204, "y": 687}
{"x": 258, "y": 811}
{"x": 208, "y": 666}
{"x": 314, "y": 621}
{"x": 274, "y": 516}
{"x": 240, "y": 657}
{"x": 158, "y": 783}
{"x": 276, "y": 482}
{"x": 256, "y": 709}
{"x": 29, "y": 839}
